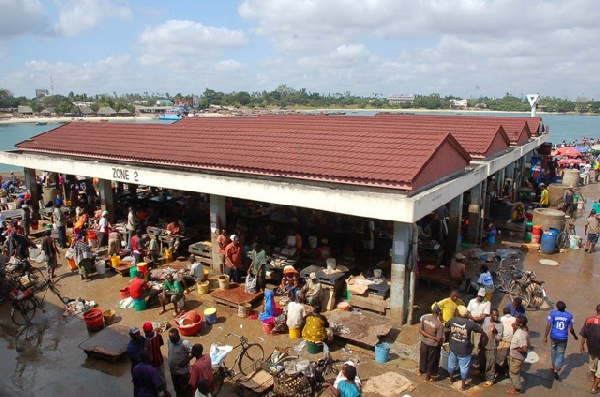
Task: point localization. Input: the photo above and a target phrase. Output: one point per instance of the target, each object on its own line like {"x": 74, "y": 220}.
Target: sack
{"x": 251, "y": 284}
{"x": 69, "y": 254}
{"x": 13, "y": 260}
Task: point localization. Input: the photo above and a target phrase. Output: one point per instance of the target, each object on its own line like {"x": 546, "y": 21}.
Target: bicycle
{"x": 564, "y": 238}
{"x": 247, "y": 356}
{"x": 25, "y": 303}
{"x": 33, "y": 276}
{"x": 523, "y": 284}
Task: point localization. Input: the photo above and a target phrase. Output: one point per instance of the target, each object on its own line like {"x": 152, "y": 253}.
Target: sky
{"x": 466, "y": 48}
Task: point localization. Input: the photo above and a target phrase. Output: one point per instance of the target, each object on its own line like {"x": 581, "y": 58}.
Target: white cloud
{"x": 184, "y": 44}
{"x": 228, "y": 65}
{"x": 79, "y": 15}
{"x": 20, "y": 17}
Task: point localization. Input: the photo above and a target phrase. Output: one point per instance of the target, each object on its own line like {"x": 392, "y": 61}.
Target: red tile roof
{"x": 326, "y": 149}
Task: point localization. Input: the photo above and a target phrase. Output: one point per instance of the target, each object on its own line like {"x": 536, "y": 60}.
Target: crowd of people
{"x": 500, "y": 344}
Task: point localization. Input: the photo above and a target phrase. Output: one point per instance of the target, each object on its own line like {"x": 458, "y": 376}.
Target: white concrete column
{"x": 217, "y": 222}
{"x": 454, "y": 224}
{"x": 475, "y": 214}
{"x": 107, "y": 200}
{"x": 398, "y": 289}
{"x": 32, "y": 186}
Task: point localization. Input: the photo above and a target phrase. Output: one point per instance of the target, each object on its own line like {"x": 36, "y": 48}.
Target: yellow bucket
{"x": 168, "y": 255}
{"x": 109, "y": 316}
{"x": 295, "y": 333}
{"x": 203, "y": 287}
{"x": 115, "y": 260}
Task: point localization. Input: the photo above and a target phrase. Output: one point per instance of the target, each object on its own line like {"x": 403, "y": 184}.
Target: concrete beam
{"x": 107, "y": 200}
{"x": 455, "y": 222}
{"x": 32, "y": 186}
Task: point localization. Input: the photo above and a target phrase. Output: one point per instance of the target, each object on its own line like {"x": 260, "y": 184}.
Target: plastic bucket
{"x": 535, "y": 238}
{"x": 203, "y": 287}
{"x": 268, "y": 327}
{"x": 139, "y": 304}
{"x": 528, "y": 226}
{"x": 101, "y": 267}
{"x": 536, "y": 230}
{"x": 382, "y": 352}
{"x": 125, "y": 293}
{"x": 295, "y": 333}
{"x": 312, "y": 241}
{"x": 444, "y": 356}
{"x": 528, "y": 237}
{"x": 223, "y": 282}
{"x": 72, "y": 264}
{"x": 94, "y": 319}
{"x": 548, "y": 243}
{"x": 168, "y": 255}
{"x": 133, "y": 272}
{"x": 331, "y": 264}
{"x": 314, "y": 348}
{"x": 142, "y": 267}
{"x": 91, "y": 235}
{"x": 115, "y": 260}
{"x": 210, "y": 315}
{"x": 191, "y": 317}
{"x": 343, "y": 306}
{"x": 243, "y": 310}
{"x": 377, "y": 273}
{"x": 491, "y": 239}
{"x": 109, "y": 316}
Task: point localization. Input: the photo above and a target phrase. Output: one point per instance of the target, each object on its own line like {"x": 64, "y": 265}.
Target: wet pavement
{"x": 44, "y": 360}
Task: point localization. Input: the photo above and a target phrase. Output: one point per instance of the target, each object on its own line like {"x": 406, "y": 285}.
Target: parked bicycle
{"x": 564, "y": 238}
{"x": 248, "y": 355}
{"x": 28, "y": 275}
{"x": 522, "y": 284}
{"x": 25, "y": 304}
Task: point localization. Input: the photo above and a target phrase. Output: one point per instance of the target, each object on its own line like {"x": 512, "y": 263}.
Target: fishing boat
{"x": 41, "y": 123}
{"x": 173, "y": 114}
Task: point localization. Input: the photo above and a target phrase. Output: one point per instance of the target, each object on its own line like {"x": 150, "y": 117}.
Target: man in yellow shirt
{"x": 544, "y": 196}
{"x": 449, "y": 306}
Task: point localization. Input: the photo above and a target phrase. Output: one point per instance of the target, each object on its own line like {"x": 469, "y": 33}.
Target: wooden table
{"x": 361, "y": 328}
{"x": 108, "y": 344}
{"x": 234, "y": 296}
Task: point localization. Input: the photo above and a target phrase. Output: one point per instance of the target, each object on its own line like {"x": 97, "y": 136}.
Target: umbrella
{"x": 570, "y": 161}
{"x": 595, "y": 149}
{"x": 582, "y": 149}
{"x": 567, "y": 151}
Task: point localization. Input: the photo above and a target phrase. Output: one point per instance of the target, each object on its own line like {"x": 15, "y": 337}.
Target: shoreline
{"x": 56, "y": 120}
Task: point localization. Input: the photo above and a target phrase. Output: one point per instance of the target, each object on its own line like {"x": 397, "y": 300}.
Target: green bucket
{"x": 528, "y": 226}
{"x": 133, "y": 271}
{"x": 139, "y": 304}
{"x": 314, "y": 348}
{"x": 528, "y": 237}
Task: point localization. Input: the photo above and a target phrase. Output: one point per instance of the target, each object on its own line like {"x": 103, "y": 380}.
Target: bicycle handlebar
{"x": 232, "y": 334}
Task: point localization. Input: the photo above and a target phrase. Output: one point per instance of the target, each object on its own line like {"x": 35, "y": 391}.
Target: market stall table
{"x": 108, "y": 344}
{"x": 234, "y": 296}
{"x": 436, "y": 274}
{"x": 324, "y": 276}
{"x": 360, "y": 328}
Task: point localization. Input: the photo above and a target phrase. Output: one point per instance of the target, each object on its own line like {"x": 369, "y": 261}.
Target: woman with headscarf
{"x": 82, "y": 254}
{"x": 272, "y": 314}
{"x": 290, "y": 281}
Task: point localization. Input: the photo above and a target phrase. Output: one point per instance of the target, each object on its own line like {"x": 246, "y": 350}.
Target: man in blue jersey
{"x": 560, "y": 323}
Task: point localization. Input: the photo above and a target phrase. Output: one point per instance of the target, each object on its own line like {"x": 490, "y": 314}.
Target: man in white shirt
{"x": 507, "y": 321}
{"x": 196, "y": 274}
{"x": 478, "y": 310}
{"x": 586, "y": 172}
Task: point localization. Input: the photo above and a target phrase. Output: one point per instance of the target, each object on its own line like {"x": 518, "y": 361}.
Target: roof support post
{"x": 32, "y": 186}
{"x": 398, "y": 288}
{"x": 217, "y": 222}
{"x": 107, "y": 200}
{"x": 475, "y": 215}
{"x": 455, "y": 222}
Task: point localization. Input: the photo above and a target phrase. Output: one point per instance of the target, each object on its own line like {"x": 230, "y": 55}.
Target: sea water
{"x": 562, "y": 127}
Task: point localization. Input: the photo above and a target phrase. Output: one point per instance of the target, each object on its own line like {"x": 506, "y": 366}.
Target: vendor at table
{"x": 233, "y": 258}
{"x": 174, "y": 232}
{"x": 114, "y": 243}
{"x": 196, "y": 274}
{"x": 293, "y": 240}
{"x": 140, "y": 289}
{"x": 153, "y": 250}
{"x": 258, "y": 267}
{"x": 290, "y": 281}
{"x": 312, "y": 292}
{"x": 173, "y": 293}
{"x": 137, "y": 246}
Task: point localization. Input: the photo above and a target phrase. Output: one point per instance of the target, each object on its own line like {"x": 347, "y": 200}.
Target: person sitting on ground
{"x": 290, "y": 281}
{"x": 316, "y": 327}
{"x": 312, "y": 291}
{"x": 347, "y": 387}
{"x": 486, "y": 281}
{"x": 201, "y": 369}
{"x": 173, "y": 293}
{"x": 59, "y": 199}
{"x": 196, "y": 274}
{"x": 295, "y": 313}
{"x": 516, "y": 307}
{"x": 342, "y": 375}
{"x": 139, "y": 288}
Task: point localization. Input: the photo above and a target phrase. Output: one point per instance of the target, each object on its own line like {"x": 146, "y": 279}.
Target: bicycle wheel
{"x": 516, "y": 290}
{"x": 249, "y": 356}
{"x": 23, "y": 311}
{"x": 535, "y": 295}
{"x": 499, "y": 283}
{"x": 36, "y": 279}
{"x": 219, "y": 376}
{"x": 7, "y": 284}
{"x": 562, "y": 241}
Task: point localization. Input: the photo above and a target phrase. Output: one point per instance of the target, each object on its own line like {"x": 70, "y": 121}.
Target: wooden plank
{"x": 371, "y": 302}
{"x": 362, "y": 328}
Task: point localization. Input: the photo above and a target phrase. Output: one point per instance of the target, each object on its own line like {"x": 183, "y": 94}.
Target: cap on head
{"x": 462, "y": 311}
{"x": 133, "y": 330}
{"x": 147, "y": 327}
{"x": 313, "y": 276}
{"x": 481, "y": 292}
{"x": 459, "y": 256}
{"x": 104, "y": 213}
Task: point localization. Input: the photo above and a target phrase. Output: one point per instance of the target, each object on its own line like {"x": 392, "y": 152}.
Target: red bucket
{"x": 191, "y": 317}
{"x": 268, "y": 328}
{"x": 92, "y": 235}
{"x": 125, "y": 293}
{"x": 142, "y": 267}
{"x": 94, "y": 319}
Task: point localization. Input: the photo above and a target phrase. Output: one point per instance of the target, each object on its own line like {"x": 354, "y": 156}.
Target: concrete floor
{"x": 44, "y": 360}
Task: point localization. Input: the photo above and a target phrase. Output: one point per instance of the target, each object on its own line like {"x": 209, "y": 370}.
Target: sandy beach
{"x": 92, "y": 119}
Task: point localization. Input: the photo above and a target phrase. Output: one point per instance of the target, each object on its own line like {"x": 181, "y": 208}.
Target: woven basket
{"x": 292, "y": 386}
